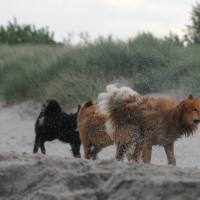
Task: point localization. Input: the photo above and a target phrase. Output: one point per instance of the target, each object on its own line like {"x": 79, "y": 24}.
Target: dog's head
{"x": 190, "y": 111}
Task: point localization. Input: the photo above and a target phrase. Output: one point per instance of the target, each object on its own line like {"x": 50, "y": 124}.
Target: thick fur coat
{"x": 133, "y": 119}
{"x": 52, "y": 123}
{"x": 91, "y": 127}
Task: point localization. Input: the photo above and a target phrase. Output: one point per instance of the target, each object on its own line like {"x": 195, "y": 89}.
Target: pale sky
{"x": 121, "y": 18}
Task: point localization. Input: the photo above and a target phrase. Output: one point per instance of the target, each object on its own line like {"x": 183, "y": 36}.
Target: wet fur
{"x": 52, "y": 123}
{"x": 149, "y": 103}
{"x": 144, "y": 120}
{"x": 91, "y": 127}
{"x": 153, "y": 127}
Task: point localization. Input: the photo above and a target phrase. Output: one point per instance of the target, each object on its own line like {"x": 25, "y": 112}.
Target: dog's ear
{"x": 190, "y": 96}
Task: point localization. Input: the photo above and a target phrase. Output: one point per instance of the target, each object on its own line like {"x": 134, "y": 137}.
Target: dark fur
{"x": 52, "y": 123}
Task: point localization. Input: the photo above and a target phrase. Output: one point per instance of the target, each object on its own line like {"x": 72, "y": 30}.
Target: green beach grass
{"x": 73, "y": 74}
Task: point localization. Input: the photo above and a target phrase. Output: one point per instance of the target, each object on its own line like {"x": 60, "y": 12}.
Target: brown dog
{"x": 91, "y": 127}
{"x": 161, "y": 104}
{"x": 132, "y": 121}
{"x": 165, "y": 128}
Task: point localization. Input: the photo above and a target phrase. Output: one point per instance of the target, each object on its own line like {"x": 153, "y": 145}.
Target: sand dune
{"x": 50, "y": 177}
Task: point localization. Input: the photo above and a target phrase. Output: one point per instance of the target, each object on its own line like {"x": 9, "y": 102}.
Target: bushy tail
{"x": 113, "y": 96}
{"x": 51, "y": 106}
{"x": 109, "y": 103}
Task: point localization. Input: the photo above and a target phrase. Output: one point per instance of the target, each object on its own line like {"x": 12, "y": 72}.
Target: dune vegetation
{"x": 76, "y": 73}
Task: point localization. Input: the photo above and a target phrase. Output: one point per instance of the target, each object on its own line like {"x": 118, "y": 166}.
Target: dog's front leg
{"x": 137, "y": 152}
{"x": 146, "y": 153}
{"x": 169, "y": 150}
{"x": 121, "y": 151}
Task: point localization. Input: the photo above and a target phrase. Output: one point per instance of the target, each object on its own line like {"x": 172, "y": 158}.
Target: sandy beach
{"x": 59, "y": 176}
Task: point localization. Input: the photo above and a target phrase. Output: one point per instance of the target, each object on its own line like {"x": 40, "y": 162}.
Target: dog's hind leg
{"x": 169, "y": 150}
{"x": 121, "y": 151}
{"x": 86, "y": 149}
{"x": 37, "y": 144}
{"x": 146, "y": 153}
{"x": 43, "y": 150}
{"x": 137, "y": 152}
{"x": 95, "y": 151}
{"x": 75, "y": 148}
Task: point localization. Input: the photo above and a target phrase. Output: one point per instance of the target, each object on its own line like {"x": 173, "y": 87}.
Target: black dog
{"x": 52, "y": 123}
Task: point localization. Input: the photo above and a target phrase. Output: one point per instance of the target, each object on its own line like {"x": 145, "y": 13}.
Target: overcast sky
{"x": 121, "y": 18}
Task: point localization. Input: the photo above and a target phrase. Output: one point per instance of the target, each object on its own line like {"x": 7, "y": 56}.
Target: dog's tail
{"x": 113, "y": 96}
{"x": 111, "y": 104}
{"x": 51, "y": 106}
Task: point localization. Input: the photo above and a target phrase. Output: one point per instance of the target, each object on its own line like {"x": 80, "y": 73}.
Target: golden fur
{"x": 146, "y": 121}
{"x": 93, "y": 135}
{"x": 133, "y": 124}
{"x": 91, "y": 127}
{"x": 149, "y": 103}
